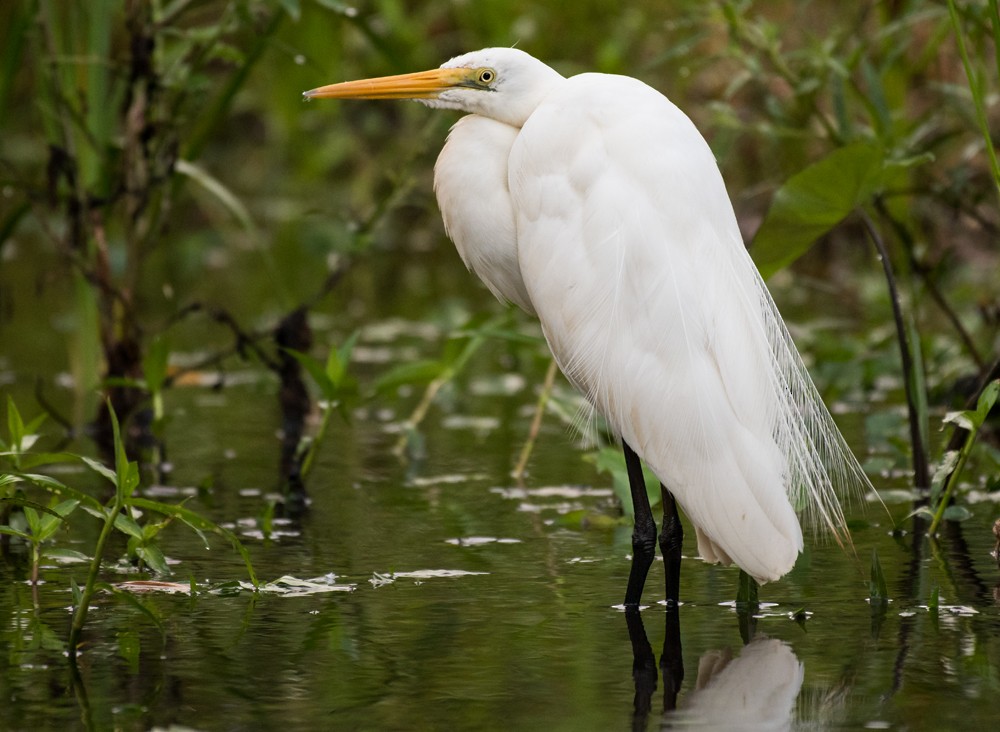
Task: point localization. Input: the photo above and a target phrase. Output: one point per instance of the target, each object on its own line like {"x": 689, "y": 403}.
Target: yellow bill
{"x": 418, "y": 85}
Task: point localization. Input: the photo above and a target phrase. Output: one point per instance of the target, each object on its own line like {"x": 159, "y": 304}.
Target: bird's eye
{"x": 487, "y": 76}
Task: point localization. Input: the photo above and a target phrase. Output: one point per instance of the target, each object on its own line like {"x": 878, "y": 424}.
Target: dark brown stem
{"x": 921, "y": 472}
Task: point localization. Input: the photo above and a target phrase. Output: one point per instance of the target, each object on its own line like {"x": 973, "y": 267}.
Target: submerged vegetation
{"x": 174, "y": 218}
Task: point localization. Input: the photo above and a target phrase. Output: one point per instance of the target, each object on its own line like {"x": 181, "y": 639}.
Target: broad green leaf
{"x": 813, "y": 201}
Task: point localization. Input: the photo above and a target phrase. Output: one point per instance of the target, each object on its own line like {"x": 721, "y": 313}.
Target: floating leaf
{"x": 288, "y": 586}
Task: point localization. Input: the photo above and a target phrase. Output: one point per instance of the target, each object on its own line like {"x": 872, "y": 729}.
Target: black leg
{"x": 671, "y": 539}
{"x": 644, "y": 533}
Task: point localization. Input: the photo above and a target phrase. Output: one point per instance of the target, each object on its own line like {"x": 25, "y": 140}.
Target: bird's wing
{"x": 632, "y": 258}
{"x": 470, "y": 180}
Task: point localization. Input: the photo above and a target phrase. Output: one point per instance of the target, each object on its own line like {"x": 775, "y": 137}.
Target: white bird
{"x": 594, "y": 202}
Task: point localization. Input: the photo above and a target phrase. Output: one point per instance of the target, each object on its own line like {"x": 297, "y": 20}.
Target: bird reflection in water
{"x": 755, "y": 690}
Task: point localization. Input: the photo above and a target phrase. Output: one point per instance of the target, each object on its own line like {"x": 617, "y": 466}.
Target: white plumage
{"x": 596, "y": 204}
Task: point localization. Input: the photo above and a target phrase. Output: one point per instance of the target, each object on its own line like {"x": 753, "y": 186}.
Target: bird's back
{"x": 632, "y": 258}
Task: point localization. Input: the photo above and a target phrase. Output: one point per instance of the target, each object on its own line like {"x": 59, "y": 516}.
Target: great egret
{"x": 594, "y": 202}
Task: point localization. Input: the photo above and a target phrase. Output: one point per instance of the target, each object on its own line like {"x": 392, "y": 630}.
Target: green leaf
{"x": 948, "y": 463}
{"x": 415, "y": 372}
{"x": 956, "y": 513}
{"x": 154, "y": 365}
{"x": 34, "y": 521}
{"x": 100, "y": 468}
{"x": 43, "y": 481}
{"x": 214, "y": 186}
{"x": 51, "y": 484}
{"x": 14, "y": 532}
{"x": 46, "y": 458}
{"x": 121, "y": 459}
{"x": 128, "y": 525}
{"x": 292, "y": 8}
{"x": 972, "y": 420}
{"x": 878, "y": 592}
{"x": 316, "y": 370}
{"x": 611, "y": 460}
{"x": 813, "y": 201}
{"x": 54, "y": 518}
{"x": 153, "y": 558}
{"x": 199, "y": 523}
{"x": 15, "y": 425}
{"x": 336, "y": 364}
{"x": 65, "y": 555}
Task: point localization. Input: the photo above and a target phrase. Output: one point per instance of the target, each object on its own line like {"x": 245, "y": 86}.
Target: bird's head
{"x": 504, "y": 84}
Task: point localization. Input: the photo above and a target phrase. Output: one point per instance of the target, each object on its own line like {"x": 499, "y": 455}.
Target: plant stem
{"x": 536, "y": 422}
{"x": 921, "y": 472}
{"x": 80, "y": 612}
{"x": 952, "y": 482}
{"x": 976, "y": 88}
{"x": 317, "y": 439}
{"x": 924, "y": 273}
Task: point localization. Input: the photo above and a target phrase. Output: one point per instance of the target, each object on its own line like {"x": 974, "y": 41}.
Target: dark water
{"x": 440, "y": 596}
